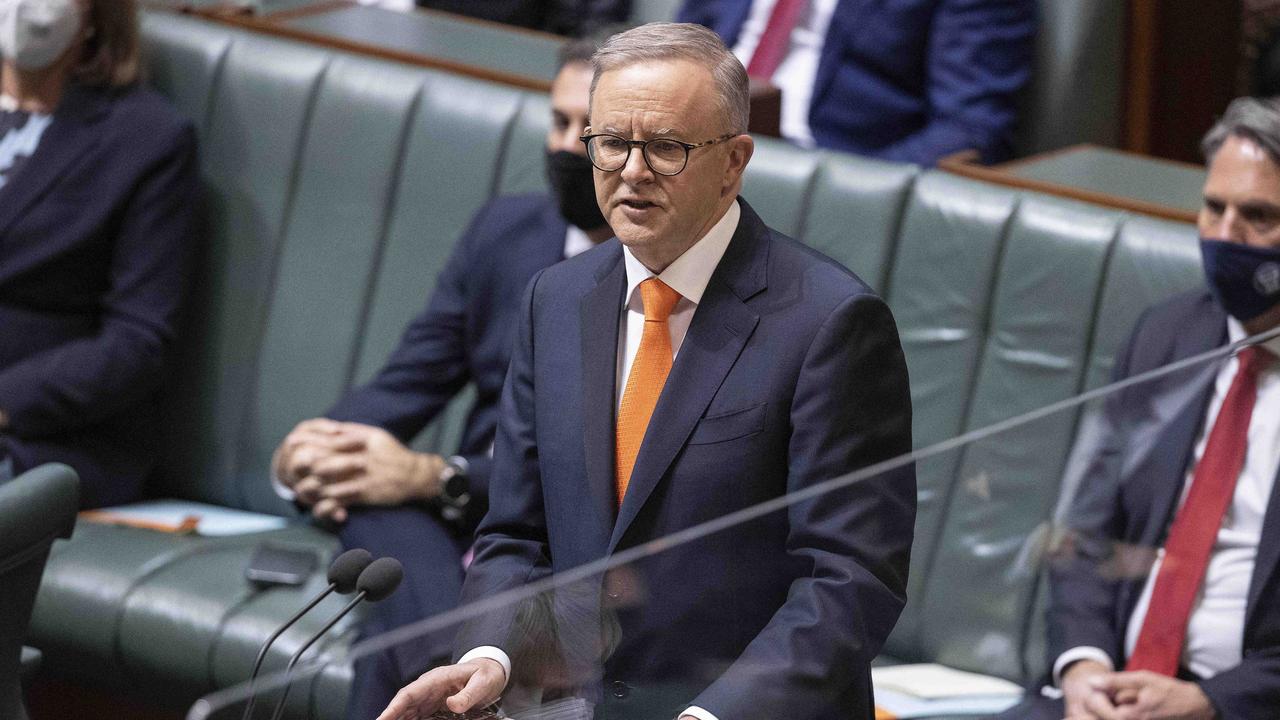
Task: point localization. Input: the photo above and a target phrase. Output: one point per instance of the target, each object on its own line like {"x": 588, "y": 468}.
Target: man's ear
{"x": 741, "y": 149}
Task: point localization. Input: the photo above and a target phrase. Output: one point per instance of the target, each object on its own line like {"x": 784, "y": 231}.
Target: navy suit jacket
{"x": 567, "y": 17}
{"x": 464, "y": 334}
{"x": 791, "y": 373}
{"x": 910, "y": 80}
{"x": 1130, "y": 494}
{"x": 96, "y": 242}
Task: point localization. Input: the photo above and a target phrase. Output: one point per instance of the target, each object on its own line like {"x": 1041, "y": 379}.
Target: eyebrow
{"x": 660, "y": 132}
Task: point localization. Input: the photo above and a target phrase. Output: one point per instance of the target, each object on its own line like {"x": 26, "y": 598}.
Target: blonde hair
{"x": 112, "y": 51}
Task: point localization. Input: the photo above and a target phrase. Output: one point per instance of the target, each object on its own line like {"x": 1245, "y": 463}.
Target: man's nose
{"x": 636, "y": 170}
{"x": 1228, "y": 226}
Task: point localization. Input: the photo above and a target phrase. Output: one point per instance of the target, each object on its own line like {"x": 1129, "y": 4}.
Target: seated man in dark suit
{"x": 910, "y": 80}
{"x": 352, "y": 467}
{"x": 1188, "y": 465}
{"x": 564, "y": 17}
{"x": 698, "y": 365}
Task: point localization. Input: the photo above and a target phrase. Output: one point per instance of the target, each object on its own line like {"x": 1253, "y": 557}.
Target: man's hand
{"x": 1145, "y": 695}
{"x": 379, "y": 471}
{"x": 308, "y": 443}
{"x": 1080, "y": 699}
{"x": 456, "y": 688}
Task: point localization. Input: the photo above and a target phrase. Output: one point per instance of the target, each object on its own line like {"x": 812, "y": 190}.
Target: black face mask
{"x": 571, "y": 181}
{"x": 1244, "y": 279}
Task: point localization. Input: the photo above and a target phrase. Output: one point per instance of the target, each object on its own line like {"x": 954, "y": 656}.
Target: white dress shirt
{"x": 687, "y": 275}
{"x": 799, "y": 69}
{"x": 1215, "y": 630}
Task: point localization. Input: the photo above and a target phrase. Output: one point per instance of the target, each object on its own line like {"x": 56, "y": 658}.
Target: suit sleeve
{"x": 1082, "y": 598}
{"x": 980, "y": 59}
{"x": 88, "y": 380}
{"x": 511, "y": 544}
{"x": 851, "y": 410}
{"x": 1250, "y": 689}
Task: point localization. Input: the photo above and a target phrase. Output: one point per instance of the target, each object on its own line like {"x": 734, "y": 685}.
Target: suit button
{"x": 620, "y": 690}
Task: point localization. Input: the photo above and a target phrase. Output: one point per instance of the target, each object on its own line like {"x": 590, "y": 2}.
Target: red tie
{"x": 1195, "y": 527}
{"x": 775, "y": 39}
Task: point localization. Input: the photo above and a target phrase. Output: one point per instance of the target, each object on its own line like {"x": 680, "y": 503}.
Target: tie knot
{"x": 659, "y": 299}
{"x": 1255, "y": 359}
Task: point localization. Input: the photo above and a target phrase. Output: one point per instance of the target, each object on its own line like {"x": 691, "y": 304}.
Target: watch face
{"x": 455, "y": 486}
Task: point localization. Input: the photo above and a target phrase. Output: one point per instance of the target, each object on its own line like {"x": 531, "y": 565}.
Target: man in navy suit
{"x": 908, "y": 80}
{"x": 1187, "y": 461}
{"x": 352, "y": 467}
{"x": 700, "y": 365}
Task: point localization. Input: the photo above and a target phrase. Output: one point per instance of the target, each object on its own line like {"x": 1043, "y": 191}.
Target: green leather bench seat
{"x": 335, "y": 188}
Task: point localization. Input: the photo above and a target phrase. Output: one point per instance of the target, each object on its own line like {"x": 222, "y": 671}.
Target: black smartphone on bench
{"x": 279, "y": 565}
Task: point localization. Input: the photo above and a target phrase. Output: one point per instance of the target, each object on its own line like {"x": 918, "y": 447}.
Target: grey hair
{"x": 682, "y": 41}
{"x": 1256, "y": 119}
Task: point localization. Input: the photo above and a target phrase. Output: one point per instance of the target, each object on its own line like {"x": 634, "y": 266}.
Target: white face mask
{"x": 35, "y": 33}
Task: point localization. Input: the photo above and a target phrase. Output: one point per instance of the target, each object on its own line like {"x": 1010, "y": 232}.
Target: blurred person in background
{"x": 98, "y": 179}
{"x": 563, "y": 17}
{"x": 1169, "y": 606}
{"x": 911, "y": 81}
{"x": 353, "y": 467}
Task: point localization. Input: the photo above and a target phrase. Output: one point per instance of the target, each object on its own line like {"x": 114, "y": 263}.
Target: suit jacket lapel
{"x": 599, "y": 312}
{"x": 1203, "y": 332}
{"x": 68, "y": 138}
{"x": 721, "y": 326}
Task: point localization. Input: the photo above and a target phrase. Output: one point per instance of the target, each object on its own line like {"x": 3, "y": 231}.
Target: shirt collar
{"x": 1236, "y": 333}
{"x": 689, "y": 273}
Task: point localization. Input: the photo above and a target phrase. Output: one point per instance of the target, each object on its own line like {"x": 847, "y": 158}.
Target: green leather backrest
{"x": 1035, "y": 352}
{"x": 853, "y": 213}
{"x": 337, "y": 219}
{"x": 259, "y": 106}
{"x": 939, "y": 289}
{"x": 778, "y": 182}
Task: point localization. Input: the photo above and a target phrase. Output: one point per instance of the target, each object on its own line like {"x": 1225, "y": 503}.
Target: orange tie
{"x": 649, "y": 373}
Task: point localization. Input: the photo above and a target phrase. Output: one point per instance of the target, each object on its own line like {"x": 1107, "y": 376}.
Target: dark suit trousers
{"x": 432, "y": 556}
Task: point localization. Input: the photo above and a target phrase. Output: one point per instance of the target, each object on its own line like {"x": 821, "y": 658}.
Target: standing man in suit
{"x": 1188, "y": 466}
{"x": 353, "y": 467}
{"x": 700, "y": 365}
{"x": 909, "y": 80}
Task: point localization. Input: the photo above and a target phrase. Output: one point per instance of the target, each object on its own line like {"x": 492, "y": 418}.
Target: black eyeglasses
{"x": 663, "y": 155}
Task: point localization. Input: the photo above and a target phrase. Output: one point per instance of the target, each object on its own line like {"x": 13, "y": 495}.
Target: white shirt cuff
{"x": 490, "y": 652}
{"x": 284, "y": 491}
{"x": 695, "y": 711}
{"x": 1084, "y": 652}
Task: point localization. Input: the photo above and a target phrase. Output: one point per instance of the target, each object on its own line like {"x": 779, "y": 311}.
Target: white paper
{"x": 215, "y": 521}
{"x": 905, "y": 706}
{"x": 930, "y": 681}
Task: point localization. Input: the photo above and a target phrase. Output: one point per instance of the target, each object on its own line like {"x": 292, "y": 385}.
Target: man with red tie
{"x": 1187, "y": 467}
{"x": 907, "y": 80}
{"x": 699, "y": 365}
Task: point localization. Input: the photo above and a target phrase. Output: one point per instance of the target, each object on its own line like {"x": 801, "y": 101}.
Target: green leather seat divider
{"x": 939, "y": 290}
{"x": 1035, "y": 353}
{"x": 524, "y": 152}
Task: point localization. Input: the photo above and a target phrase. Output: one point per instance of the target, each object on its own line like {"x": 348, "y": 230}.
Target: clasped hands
{"x": 1091, "y": 691}
{"x": 333, "y": 465}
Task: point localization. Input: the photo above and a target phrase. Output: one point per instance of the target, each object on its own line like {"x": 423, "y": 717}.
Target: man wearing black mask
{"x": 353, "y": 468}
{"x": 1185, "y": 479}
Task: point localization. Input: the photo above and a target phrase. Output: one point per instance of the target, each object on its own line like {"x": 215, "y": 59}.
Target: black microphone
{"x": 344, "y": 574}
{"x": 379, "y": 580}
